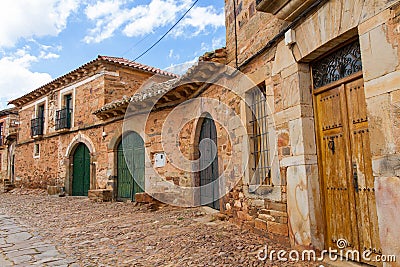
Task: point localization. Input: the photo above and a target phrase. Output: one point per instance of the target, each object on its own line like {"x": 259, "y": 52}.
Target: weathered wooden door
{"x": 130, "y": 173}
{"x": 81, "y": 171}
{"x": 209, "y": 195}
{"x": 346, "y": 166}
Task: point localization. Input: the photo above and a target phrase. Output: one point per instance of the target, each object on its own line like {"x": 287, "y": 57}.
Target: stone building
{"x": 8, "y": 137}
{"x": 60, "y": 142}
{"x": 301, "y": 108}
{"x": 322, "y": 152}
{"x": 330, "y": 69}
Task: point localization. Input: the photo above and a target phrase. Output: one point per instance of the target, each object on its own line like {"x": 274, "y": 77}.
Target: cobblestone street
{"x": 53, "y": 231}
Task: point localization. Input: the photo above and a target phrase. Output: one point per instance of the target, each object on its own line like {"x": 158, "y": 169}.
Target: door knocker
{"x": 331, "y": 145}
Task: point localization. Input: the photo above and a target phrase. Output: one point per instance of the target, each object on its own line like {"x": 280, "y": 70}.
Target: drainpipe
{"x": 236, "y": 38}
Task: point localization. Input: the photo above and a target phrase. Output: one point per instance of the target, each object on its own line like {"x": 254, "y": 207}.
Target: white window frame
{"x": 36, "y": 155}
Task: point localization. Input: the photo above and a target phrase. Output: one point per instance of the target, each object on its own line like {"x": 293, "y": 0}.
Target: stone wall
{"x": 254, "y": 29}
{"x": 3, "y": 154}
{"x": 288, "y": 82}
{"x": 52, "y": 166}
{"x": 9, "y": 128}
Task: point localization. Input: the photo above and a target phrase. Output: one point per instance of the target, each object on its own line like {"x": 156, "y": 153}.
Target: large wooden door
{"x": 131, "y": 166}
{"x": 81, "y": 171}
{"x": 209, "y": 187}
{"x": 346, "y": 166}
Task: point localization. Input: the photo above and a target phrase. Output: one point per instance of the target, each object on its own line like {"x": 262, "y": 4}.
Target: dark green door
{"x": 130, "y": 156}
{"x": 209, "y": 187}
{"x": 81, "y": 171}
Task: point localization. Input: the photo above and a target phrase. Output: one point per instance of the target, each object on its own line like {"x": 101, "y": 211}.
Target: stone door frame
{"x": 69, "y": 159}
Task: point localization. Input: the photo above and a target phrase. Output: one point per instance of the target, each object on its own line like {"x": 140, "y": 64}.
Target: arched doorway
{"x": 209, "y": 187}
{"x": 130, "y": 166}
{"x": 81, "y": 171}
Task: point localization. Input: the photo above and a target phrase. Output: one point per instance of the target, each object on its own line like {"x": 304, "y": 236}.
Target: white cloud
{"x": 199, "y": 18}
{"x": 111, "y": 16}
{"x": 16, "y": 78}
{"x": 48, "y": 55}
{"x": 173, "y": 55}
{"x": 216, "y": 42}
{"x": 27, "y": 18}
{"x": 181, "y": 68}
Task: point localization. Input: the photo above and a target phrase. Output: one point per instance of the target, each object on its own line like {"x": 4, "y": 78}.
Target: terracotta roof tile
{"x": 117, "y": 60}
{"x": 136, "y": 65}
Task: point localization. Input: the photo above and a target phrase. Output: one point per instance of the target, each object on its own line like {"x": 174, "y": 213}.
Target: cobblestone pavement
{"x": 20, "y": 247}
{"x": 121, "y": 234}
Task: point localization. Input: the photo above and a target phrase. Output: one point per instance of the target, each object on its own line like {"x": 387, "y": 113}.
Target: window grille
{"x": 63, "y": 118}
{"x": 338, "y": 65}
{"x": 258, "y": 125}
{"x": 37, "y": 125}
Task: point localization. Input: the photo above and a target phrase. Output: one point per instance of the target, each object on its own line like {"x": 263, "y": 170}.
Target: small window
{"x": 260, "y": 173}
{"x": 36, "y": 151}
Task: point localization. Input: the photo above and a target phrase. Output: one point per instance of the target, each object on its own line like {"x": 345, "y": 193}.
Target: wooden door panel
{"x": 81, "y": 171}
{"x": 131, "y": 166}
{"x": 362, "y": 167}
{"x": 209, "y": 164}
{"x": 334, "y": 150}
{"x": 346, "y": 167}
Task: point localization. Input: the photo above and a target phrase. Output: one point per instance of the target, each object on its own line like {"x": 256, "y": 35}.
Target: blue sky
{"x": 41, "y": 40}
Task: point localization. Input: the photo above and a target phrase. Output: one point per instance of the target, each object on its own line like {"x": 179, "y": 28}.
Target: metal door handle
{"x": 331, "y": 145}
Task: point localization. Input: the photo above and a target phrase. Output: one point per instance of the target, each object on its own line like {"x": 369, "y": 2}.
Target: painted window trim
{"x": 63, "y": 93}
{"x": 43, "y": 101}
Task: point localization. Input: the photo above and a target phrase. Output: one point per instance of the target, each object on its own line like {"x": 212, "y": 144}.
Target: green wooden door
{"x": 81, "y": 171}
{"x": 209, "y": 187}
{"x": 130, "y": 157}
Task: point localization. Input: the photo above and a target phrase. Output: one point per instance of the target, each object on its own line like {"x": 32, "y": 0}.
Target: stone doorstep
{"x": 100, "y": 195}
{"x": 144, "y": 198}
{"x": 53, "y": 190}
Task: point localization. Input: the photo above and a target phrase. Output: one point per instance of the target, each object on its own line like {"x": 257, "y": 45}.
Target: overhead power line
{"x": 170, "y": 29}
